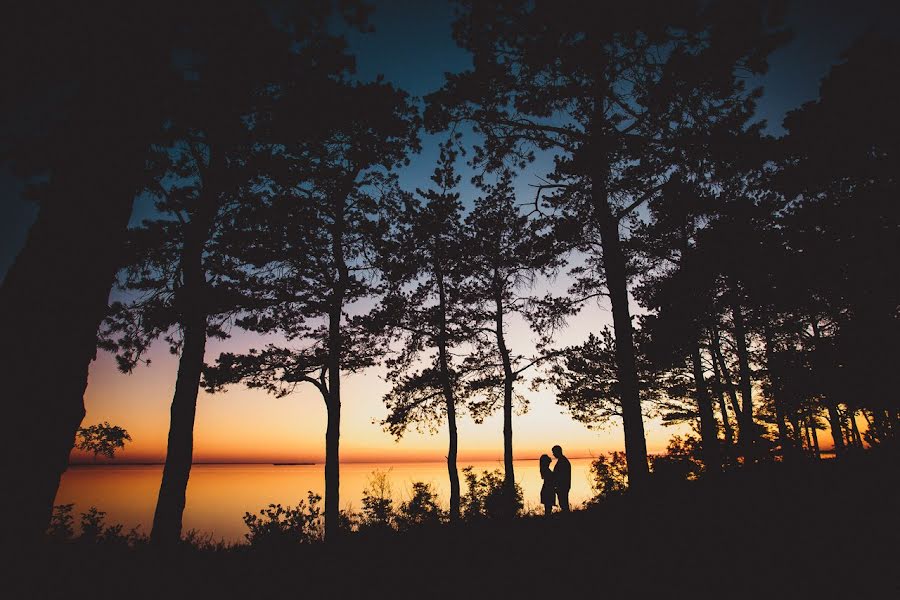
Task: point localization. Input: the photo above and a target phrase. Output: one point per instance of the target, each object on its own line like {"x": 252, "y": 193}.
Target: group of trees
{"x": 758, "y": 264}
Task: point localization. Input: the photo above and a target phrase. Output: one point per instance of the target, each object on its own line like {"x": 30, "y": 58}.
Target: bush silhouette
{"x": 278, "y": 525}
{"x": 486, "y": 496}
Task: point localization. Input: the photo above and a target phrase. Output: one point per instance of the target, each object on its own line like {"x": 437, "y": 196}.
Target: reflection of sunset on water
{"x": 219, "y": 495}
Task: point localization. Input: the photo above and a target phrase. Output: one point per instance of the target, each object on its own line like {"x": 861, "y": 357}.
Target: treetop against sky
{"x": 413, "y": 48}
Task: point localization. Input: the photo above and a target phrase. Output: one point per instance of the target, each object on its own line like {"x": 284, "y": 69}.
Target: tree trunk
{"x": 335, "y": 352}
{"x": 509, "y": 479}
{"x": 726, "y": 375}
{"x": 777, "y": 399}
{"x": 854, "y": 428}
{"x": 52, "y": 301}
{"x": 808, "y": 430}
{"x": 626, "y": 366}
{"x": 179, "y": 453}
{"x": 449, "y": 396}
{"x": 726, "y": 422}
{"x": 190, "y": 301}
{"x": 748, "y": 429}
{"x": 333, "y": 457}
{"x": 834, "y": 416}
{"x": 708, "y": 431}
{"x": 798, "y": 430}
{"x": 815, "y": 437}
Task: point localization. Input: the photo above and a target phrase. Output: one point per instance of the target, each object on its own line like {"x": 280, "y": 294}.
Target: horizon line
{"x": 111, "y": 463}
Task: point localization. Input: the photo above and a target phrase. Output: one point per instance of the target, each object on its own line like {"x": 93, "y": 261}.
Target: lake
{"x": 219, "y": 495}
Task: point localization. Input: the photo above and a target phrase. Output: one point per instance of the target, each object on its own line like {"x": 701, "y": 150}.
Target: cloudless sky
{"x": 413, "y": 48}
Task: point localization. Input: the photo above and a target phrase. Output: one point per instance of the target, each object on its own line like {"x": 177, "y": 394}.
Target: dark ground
{"x": 827, "y": 529}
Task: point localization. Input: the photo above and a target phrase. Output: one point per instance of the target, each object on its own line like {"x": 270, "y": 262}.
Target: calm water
{"x": 219, "y": 495}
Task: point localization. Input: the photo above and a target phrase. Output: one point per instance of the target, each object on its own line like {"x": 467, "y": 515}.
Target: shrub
{"x": 679, "y": 463}
{"x": 61, "y": 522}
{"x": 486, "y": 496}
{"x": 378, "y": 503}
{"x": 421, "y": 509}
{"x": 278, "y": 525}
{"x": 609, "y": 476}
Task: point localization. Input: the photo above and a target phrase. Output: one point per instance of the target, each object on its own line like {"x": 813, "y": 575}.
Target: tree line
{"x": 749, "y": 277}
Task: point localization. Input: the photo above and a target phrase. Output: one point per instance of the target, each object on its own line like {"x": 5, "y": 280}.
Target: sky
{"x": 412, "y": 47}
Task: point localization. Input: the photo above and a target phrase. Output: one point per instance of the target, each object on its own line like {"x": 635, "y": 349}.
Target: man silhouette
{"x": 562, "y": 476}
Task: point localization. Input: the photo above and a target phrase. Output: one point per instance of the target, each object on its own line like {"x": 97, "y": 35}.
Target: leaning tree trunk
{"x": 52, "y": 301}
{"x": 723, "y": 411}
{"x": 709, "y": 437}
{"x": 179, "y": 453}
{"x": 854, "y": 428}
{"x": 509, "y": 478}
{"x": 191, "y": 301}
{"x": 726, "y": 376}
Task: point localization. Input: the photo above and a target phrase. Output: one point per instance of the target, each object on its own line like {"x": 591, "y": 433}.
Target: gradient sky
{"x": 412, "y": 47}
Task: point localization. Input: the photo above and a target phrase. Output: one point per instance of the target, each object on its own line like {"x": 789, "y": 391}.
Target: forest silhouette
{"x": 751, "y": 282}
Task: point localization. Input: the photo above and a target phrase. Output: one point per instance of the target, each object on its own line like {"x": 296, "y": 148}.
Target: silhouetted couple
{"x": 556, "y": 482}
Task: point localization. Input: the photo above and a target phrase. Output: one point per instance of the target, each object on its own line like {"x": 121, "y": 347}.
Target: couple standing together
{"x": 556, "y": 482}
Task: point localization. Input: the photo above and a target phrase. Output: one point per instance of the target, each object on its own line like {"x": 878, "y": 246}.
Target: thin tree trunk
{"x": 191, "y": 301}
{"x": 726, "y": 422}
{"x": 509, "y": 479}
{"x": 747, "y": 433}
{"x": 834, "y": 416}
{"x": 808, "y": 431}
{"x": 708, "y": 431}
{"x": 333, "y": 456}
{"x": 335, "y": 352}
{"x": 854, "y": 428}
{"x": 449, "y": 396}
{"x": 815, "y": 437}
{"x": 798, "y": 430}
{"x": 333, "y": 429}
{"x": 777, "y": 399}
{"x": 726, "y": 375}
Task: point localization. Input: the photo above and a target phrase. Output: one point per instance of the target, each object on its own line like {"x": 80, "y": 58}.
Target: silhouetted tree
{"x": 620, "y": 93}
{"x": 840, "y": 174}
{"x": 102, "y": 438}
{"x": 587, "y": 383}
{"x": 326, "y": 202}
{"x": 80, "y": 106}
{"x": 506, "y": 252}
{"x": 428, "y": 310}
{"x": 186, "y": 277}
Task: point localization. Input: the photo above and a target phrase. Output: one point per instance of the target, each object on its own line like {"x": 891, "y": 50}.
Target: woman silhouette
{"x": 548, "y": 490}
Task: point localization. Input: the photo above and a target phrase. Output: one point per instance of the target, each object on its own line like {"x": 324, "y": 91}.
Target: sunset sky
{"x": 412, "y": 47}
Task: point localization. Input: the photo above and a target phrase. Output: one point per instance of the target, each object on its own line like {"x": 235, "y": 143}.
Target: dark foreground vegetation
{"x": 811, "y": 529}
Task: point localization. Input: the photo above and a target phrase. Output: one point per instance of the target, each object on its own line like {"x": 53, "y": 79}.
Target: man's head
{"x": 557, "y": 451}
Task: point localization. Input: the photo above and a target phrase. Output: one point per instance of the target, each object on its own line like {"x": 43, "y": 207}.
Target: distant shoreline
{"x": 462, "y": 463}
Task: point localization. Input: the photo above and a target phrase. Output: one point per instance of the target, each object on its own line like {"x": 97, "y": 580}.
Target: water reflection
{"x": 219, "y": 495}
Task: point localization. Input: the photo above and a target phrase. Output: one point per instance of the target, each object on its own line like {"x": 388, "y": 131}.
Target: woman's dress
{"x": 548, "y": 490}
